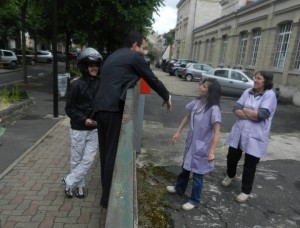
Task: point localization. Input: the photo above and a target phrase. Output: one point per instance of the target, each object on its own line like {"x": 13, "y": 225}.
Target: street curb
{"x": 3, "y": 71}
{"x": 11, "y": 166}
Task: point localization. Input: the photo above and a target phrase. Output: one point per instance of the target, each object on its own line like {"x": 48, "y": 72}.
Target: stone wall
{"x": 15, "y": 111}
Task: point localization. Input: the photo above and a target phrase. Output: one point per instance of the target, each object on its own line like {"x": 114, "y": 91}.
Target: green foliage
{"x": 75, "y": 72}
{"x": 12, "y": 95}
{"x": 94, "y": 23}
{"x": 9, "y": 21}
{"x": 153, "y": 53}
{"x": 170, "y": 37}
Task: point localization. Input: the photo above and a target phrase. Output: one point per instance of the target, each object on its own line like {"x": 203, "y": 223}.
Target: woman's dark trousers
{"x": 249, "y": 169}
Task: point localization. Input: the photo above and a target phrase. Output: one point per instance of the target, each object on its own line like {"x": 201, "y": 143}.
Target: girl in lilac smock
{"x": 204, "y": 117}
{"x": 254, "y": 111}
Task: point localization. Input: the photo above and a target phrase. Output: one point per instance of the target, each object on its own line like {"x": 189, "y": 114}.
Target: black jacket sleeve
{"x": 146, "y": 73}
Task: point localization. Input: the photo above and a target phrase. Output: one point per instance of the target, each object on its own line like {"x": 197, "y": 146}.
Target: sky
{"x": 166, "y": 20}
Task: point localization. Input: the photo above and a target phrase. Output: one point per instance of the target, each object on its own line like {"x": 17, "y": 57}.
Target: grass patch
{"x": 151, "y": 197}
{"x": 11, "y": 95}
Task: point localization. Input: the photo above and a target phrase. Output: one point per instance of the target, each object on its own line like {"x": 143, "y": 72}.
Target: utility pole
{"x": 55, "y": 71}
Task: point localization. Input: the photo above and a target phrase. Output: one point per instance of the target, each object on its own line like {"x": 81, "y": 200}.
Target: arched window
{"x": 223, "y": 49}
{"x": 211, "y": 50}
{"x": 282, "y": 45}
{"x": 242, "y": 49}
{"x": 255, "y": 46}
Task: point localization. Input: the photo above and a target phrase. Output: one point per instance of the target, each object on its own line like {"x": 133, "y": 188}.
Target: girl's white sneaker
{"x": 188, "y": 206}
{"x": 171, "y": 189}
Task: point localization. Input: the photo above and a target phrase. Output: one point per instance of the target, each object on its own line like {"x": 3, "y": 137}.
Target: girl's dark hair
{"x": 268, "y": 76}
{"x": 214, "y": 92}
{"x": 132, "y": 38}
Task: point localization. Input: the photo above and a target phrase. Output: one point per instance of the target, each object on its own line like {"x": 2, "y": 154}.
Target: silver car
{"x": 193, "y": 71}
{"x": 44, "y": 56}
{"x": 232, "y": 81}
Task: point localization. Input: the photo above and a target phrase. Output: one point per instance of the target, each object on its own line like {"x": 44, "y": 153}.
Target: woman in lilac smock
{"x": 204, "y": 117}
{"x": 254, "y": 111}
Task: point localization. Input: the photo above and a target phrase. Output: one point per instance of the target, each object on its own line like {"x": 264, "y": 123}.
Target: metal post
{"x": 55, "y": 71}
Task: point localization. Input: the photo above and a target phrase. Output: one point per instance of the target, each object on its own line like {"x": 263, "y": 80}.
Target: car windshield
{"x": 249, "y": 74}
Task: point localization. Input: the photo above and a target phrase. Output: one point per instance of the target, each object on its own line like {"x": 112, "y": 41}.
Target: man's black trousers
{"x": 109, "y": 126}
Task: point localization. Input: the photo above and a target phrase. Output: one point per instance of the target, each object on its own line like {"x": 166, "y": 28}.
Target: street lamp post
{"x": 55, "y": 71}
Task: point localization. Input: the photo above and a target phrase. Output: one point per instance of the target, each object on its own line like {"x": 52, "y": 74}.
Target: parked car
{"x": 172, "y": 67}
{"x": 193, "y": 71}
{"x": 165, "y": 64}
{"x": 29, "y": 55}
{"x": 72, "y": 55}
{"x": 44, "y": 56}
{"x": 232, "y": 81}
{"x": 8, "y": 58}
{"x": 61, "y": 56}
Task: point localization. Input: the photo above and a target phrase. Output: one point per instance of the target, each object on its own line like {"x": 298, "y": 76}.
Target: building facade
{"x": 190, "y": 15}
{"x": 255, "y": 35}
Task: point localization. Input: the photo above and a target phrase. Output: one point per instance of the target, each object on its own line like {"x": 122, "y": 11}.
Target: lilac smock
{"x": 252, "y": 136}
{"x": 199, "y": 137}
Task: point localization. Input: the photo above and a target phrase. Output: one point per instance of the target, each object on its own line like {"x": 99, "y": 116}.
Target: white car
{"x": 44, "y": 56}
{"x": 8, "y": 58}
{"x": 232, "y": 81}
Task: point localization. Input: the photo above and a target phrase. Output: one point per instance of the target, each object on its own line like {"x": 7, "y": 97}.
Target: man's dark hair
{"x": 268, "y": 76}
{"x": 132, "y": 38}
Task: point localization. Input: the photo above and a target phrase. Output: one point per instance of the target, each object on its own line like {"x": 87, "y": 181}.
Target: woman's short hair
{"x": 268, "y": 76}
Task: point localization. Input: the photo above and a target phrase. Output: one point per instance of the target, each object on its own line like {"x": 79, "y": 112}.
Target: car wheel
{"x": 13, "y": 64}
{"x": 49, "y": 60}
{"x": 189, "y": 77}
{"x": 174, "y": 73}
{"x": 32, "y": 62}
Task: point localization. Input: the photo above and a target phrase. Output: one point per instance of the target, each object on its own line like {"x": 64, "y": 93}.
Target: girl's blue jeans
{"x": 182, "y": 183}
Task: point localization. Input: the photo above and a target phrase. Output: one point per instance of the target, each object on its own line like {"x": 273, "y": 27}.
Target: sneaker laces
{"x": 80, "y": 190}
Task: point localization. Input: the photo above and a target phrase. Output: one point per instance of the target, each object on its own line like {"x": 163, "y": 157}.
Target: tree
{"x": 98, "y": 23}
{"x": 9, "y": 21}
{"x": 170, "y": 37}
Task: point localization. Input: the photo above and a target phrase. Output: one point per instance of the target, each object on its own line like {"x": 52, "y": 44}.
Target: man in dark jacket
{"x": 121, "y": 70}
{"x": 83, "y": 132}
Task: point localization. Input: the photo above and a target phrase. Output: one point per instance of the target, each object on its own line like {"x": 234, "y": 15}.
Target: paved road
{"x": 275, "y": 200}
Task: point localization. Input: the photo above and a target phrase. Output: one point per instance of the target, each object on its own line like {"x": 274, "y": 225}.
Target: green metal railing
{"x": 122, "y": 209}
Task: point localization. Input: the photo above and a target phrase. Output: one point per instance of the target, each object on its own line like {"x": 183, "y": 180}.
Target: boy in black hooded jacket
{"x": 83, "y": 132}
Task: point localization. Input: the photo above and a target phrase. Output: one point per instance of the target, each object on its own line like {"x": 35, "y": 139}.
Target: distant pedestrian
{"x": 254, "y": 111}
{"x": 121, "y": 70}
{"x": 83, "y": 132}
{"x": 204, "y": 117}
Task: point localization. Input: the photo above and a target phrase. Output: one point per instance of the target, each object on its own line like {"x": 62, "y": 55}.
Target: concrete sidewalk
{"x": 31, "y": 192}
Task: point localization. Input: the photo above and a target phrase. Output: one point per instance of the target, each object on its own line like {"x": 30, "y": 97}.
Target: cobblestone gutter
{"x": 15, "y": 111}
